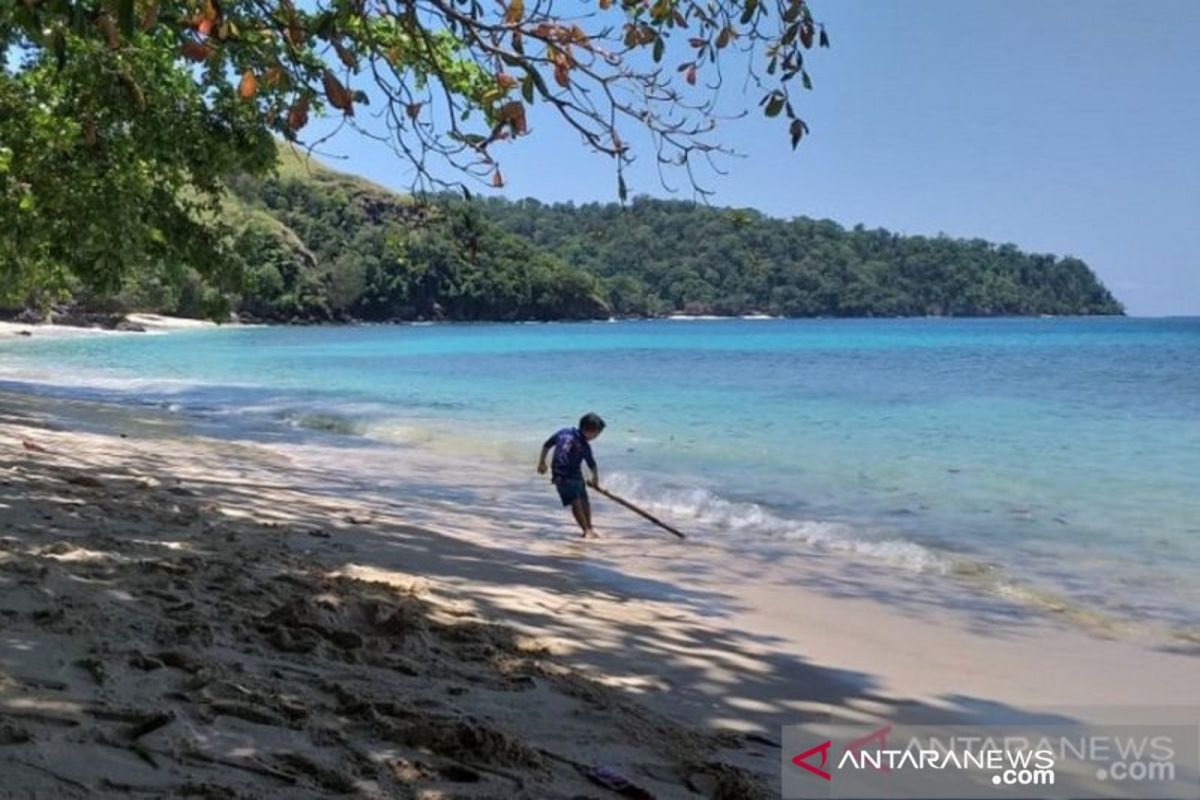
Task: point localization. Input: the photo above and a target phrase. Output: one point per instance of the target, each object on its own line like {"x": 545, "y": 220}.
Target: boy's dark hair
{"x": 591, "y": 422}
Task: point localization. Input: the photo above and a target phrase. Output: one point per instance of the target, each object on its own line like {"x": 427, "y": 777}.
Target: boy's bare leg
{"x": 582, "y": 516}
{"x": 587, "y": 515}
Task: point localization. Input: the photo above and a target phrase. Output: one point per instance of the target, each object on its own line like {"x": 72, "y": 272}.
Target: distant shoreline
{"x": 159, "y": 323}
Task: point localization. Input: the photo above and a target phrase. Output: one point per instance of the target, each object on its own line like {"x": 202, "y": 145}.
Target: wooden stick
{"x": 642, "y": 512}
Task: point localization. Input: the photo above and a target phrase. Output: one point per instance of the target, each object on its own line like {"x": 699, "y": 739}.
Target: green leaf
{"x": 823, "y": 39}
{"x": 748, "y": 11}
{"x": 775, "y": 105}
{"x": 806, "y": 80}
{"x": 798, "y": 129}
{"x": 60, "y": 49}
{"x": 527, "y": 88}
{"x": 79, "y": 18}
{"x": 659, "y": 47}
{"x": 125, "y": 17}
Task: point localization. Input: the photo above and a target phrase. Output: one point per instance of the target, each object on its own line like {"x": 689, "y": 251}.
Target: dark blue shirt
{"x": 571, "y": 449}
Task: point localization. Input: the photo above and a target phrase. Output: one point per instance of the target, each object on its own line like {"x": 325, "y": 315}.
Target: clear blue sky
{"x": 1063, "y": 126}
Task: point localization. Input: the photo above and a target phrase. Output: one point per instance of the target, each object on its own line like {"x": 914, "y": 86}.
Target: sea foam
{"x": 754, "y": 524}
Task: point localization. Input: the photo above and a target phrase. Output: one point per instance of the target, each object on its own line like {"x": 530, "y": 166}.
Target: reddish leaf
{"x": 413, "y": 110}
{"x": 297, "y": 116}
{"x": 497, "y": 180}
{"x": 109, "y": 29}
{"x": 195, "y": 51}
{"x": 513, "y": 115}
{"x": 150, "y": 18}
{"x": 690, "y": 75}
{"x": 561, "y": 75}
{"x": 506, "y": 81}
{"x": 248, "y": 87}
{"x": 806, "y": 34}
{"x": 338, "y": 96}
{"x": 798, "y": 129}
{"x": 514, "y": 12}
{"x": 348, "y": 58}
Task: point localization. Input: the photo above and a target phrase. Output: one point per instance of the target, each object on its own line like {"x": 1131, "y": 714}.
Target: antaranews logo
{"x": 894, "y": 761}
{"x": 1010, "y": 765}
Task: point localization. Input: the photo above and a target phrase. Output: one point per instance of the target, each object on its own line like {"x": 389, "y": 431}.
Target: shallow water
{"x": 1049, "y": 458}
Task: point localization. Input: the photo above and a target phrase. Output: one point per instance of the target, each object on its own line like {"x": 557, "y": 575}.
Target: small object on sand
{"x": 759, "y": 738}
{"x": 609, "y": 778}
{"x": 639, "y": 511}
{"x": 85, "y": 480}
{"x": 150, "y": 724}
{"x": 33, "y": 446}
{"x": 94, "y": 667}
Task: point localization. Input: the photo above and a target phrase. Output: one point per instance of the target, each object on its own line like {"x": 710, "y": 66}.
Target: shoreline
{"x": 682, "y": 632}
{"x": 976, "y": 579}
{"x": 159, "y": 323}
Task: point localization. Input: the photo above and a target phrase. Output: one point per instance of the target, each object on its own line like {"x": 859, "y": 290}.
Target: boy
{"x": 571, "y": 448}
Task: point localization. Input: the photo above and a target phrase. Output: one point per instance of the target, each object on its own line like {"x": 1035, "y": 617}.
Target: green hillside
{"x": 313, "y": 245}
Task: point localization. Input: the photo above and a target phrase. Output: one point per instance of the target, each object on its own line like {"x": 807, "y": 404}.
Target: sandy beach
{"x": 144, "y": 322}
{"x": 182, "y": 615}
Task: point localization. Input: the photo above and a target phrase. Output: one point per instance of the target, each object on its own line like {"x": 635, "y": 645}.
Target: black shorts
{"x": 570, "y": 490}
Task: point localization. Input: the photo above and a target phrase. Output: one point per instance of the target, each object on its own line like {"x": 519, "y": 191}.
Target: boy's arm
{"x": 547, "y": 446}
{"x": 591, "y": 462}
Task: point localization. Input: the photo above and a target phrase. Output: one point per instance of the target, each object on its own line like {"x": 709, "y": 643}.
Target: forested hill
{"x": 317, "y": 245}
{"x": 662, "y": 256}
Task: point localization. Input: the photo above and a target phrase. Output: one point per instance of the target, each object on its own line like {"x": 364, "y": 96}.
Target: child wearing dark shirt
{"x": 572, "y": 447}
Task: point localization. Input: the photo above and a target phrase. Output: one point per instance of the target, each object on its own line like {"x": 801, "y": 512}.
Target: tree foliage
{"x": 118, "y": 117}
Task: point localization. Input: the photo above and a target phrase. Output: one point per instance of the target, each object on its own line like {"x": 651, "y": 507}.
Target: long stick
{"x": 636, "y": 510}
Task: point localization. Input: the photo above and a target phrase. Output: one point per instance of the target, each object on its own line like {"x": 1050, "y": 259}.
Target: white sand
{"x": 158, "y": 322}
{"x": 151, "y": 322}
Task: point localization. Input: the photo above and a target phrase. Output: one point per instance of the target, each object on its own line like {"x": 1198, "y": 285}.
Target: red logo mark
{"x": 823, "y": 749}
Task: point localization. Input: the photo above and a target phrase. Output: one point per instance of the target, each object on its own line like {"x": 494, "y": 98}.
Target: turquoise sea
{"x": 1057, "y": 459}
